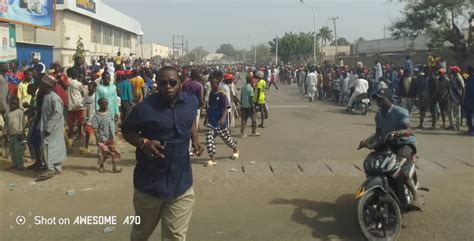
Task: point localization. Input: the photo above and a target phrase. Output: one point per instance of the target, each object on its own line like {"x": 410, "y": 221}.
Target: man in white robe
{"x": 52, "y": 129}
{"x": 311, "y": 82}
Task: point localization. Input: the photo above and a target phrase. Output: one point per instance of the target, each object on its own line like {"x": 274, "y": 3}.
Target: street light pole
{"x": 255, "y": 46}
{"x": 276, "y": 45}
{"x": 314, "y": 28}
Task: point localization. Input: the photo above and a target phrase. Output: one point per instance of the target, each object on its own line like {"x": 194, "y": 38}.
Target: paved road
{"x": 295, "y": 182}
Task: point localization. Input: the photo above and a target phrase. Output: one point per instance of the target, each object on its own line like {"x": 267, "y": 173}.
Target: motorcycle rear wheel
{"x": 375, "y": 222}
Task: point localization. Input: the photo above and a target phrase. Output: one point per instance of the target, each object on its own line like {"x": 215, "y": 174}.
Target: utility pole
{"x": 186, "y": 55}
{"x": 335, "y": 36}
{"x": 470, "y": 39}
{"x": 255, "y": 46}
{"x": 314, "y": 28}
{"x": 178, "y": 43}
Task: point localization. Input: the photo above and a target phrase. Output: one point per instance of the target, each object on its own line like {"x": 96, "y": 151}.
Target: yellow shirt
{"x": 138, "y": 83}
{"x": 262, "y": 86}
{"x": 118, "y": 60}
{"x": 22, "y": 93}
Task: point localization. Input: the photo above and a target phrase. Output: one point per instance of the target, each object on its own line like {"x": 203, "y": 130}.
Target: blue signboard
{"x": 37, "y": 13}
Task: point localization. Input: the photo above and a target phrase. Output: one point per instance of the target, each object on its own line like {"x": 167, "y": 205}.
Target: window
{"x": 96, "y": 33}
{"x": 127, "y": 40}
{"x": 108, "y": 35}
{"x": 117, "y": 37}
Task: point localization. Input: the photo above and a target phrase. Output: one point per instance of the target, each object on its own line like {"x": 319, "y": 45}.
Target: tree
{"x": 292, "y": 46}
{"x": 80, "y": 51}
{"x": 325, "y": 35}
{"x": 341, "y": 42}
{"x": 442, "y": 21}
{"x": 264, "y": 54}
{"x": 226, "y": 49}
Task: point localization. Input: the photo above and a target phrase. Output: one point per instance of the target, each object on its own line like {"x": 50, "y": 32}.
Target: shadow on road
{"x": 328, "y": 221}
{"x": 25, "y": 173}
{"x": 440, "y": 132}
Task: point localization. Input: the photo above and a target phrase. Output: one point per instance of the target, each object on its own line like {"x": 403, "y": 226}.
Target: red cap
{"x": 228, "y": 76}
{"x": 455, "y": 69}
{"x": 120, "y": 72}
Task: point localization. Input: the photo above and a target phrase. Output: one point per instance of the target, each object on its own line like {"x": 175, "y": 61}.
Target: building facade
{"x": 104, "y": 32}
{"x": 151, "y": 50}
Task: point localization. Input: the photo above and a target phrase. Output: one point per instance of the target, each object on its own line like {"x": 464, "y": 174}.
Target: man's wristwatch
{"x": 142, "y": 143}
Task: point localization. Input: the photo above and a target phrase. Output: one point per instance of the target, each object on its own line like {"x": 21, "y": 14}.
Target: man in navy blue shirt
{"x": 161, "y": 128}
{"x": 469, "y": 100}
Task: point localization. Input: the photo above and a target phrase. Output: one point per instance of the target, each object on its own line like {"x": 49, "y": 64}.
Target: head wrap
{"x": 48, "y": 81}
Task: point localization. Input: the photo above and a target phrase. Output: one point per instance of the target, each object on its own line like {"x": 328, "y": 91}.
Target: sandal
{"x": 235, "y": 155}
{"x": 116, "y": 170}
{"x": 46, "y": 175}
{"x": 210, "y": 163}
{"x": 101, "y": 169}
{"x": 255, "y": 134}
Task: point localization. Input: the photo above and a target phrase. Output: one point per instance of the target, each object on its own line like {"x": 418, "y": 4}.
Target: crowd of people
{"x": 46, "y": 109}
{"x": 159, "y": 109}
{"x": 445, "y": 92}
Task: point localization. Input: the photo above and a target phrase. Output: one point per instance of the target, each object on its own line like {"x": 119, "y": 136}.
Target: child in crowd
{"x": 34, "y": 134}
{"x": 218, "y": 123}
{"x": 89, "y": 104}
{"x": 105, "y": 136}
{"x": 14, "y": 133}
{"x": 22, "y": 91}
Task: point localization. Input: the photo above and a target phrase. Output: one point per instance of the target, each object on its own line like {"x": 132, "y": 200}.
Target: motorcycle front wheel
{"x": 379, "y": 217}
{"x": 364, "y": 108}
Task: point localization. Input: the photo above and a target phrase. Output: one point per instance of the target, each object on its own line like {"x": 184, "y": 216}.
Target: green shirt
{"x": 246, "y": 94}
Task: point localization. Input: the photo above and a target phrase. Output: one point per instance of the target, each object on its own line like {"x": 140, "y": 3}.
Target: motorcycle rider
{"x": 395, "y": 118}
{"x": 360, "y": 86}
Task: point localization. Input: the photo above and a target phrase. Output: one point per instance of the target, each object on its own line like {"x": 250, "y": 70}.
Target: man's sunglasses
{"x": 164, "y": 83}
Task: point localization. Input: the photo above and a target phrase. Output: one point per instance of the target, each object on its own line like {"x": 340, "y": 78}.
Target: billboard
{"x": 8, "y": 42}
{"x": 88, "y": 5}
{"x": 36, "y": 13}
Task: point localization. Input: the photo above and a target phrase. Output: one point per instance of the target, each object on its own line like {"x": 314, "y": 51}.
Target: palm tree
{"x": 325, "y": 34}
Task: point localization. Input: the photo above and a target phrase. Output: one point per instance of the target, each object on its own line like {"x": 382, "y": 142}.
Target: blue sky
{"x": 209, "y": 23}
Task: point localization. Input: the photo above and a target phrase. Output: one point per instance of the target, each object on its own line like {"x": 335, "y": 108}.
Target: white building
{"x": 213, "y": 57}
{"x": 330, "y": 51}
{"x": 151, "y": 50}
{"x": 104, "y": 31}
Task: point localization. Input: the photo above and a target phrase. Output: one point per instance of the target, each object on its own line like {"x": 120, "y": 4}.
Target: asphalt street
{"x": 295, "y": 182}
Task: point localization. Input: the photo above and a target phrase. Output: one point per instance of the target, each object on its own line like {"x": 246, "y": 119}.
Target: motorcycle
{"x": 361, "y": 103}
{"x": 383, "y": 197}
